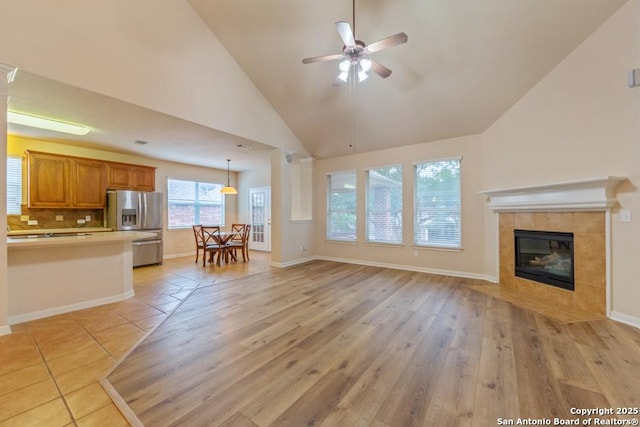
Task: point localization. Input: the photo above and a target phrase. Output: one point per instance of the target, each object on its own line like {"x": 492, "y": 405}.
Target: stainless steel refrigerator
{"x": 138, "y": 211}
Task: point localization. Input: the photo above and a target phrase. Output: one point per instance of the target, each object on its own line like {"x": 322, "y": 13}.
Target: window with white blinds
{"x": 384, "y": 204}
{"x": 437, "y": 203}
{"x": 14, "y": 185}
{"x": 341, "y": 205}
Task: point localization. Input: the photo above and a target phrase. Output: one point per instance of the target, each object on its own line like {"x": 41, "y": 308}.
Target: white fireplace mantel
{"x": 589, "y": 194}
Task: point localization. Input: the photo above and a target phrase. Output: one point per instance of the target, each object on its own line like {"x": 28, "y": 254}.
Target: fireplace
{"x": 545, "y": 257}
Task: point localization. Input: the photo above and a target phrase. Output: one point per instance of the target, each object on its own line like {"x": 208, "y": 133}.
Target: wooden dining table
{"x": 222, "y": 239}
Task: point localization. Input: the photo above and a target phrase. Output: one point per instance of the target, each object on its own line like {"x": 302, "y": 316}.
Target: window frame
{"x": 416, "y": 216}
{"x": 13, "y": 194}
{"x": 196, "y": 203}
{"x": 400, "y": 215}
{"x": 330, "y": 211}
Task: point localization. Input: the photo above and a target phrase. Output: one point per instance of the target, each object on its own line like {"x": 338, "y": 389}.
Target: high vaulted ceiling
{"x": 465, "y": 64}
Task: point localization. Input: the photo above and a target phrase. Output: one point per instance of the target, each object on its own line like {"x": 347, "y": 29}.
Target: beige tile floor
{"x": 49, "y": 368}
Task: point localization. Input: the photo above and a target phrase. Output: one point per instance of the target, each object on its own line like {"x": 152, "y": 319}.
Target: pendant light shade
{"x": 228, "y": 189}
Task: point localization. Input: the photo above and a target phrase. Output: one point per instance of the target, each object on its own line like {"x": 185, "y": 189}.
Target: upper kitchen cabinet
{"x": 56, "y": 181}
{"x": 49, "y": 180}
{"x": 89, "y": 183}
{"x": 121, "y": 176}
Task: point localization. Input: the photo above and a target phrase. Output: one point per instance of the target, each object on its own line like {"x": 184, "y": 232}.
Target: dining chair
{"x": 239, "y": 241}
{"x": 211, "y": 241}
{"x": 236, "y": 242}
{"x": 197, "y": 233}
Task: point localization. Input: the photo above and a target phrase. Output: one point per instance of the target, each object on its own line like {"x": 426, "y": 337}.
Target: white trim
{"x": 588, "y": 194}
{"x": 186, "y": 254}
{"x": 292, "y": 263}
{"x": 67, "y": 308}
{"x": 5, "y": 330}
{"x": 440, "y": 159}
{"x": 625, "y": 318}
{"x": 608, "y": 266}
{"x": 453, "y": 273}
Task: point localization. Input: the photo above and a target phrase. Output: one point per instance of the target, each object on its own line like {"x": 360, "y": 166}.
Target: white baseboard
{"x": 5, "y": 330}
{"x": 26, "y": 317}
{"x": 192, "y": 254}
{"x": 625, "y": 318}
{"x": 439, "y": 272}
{"x": 294, "y": 262}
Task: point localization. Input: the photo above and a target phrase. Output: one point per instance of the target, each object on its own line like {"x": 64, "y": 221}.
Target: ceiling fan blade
{"x": 390, "y": 41}
{"x": 344, "y": 29}
{"x": 322, "y": 58}
{"x": 380, "y": 69}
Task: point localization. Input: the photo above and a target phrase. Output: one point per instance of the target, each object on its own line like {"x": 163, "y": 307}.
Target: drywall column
{"x": 7, "y": 72}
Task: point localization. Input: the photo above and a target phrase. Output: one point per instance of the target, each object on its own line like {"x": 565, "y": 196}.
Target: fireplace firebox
{"x": 545, "y": 257}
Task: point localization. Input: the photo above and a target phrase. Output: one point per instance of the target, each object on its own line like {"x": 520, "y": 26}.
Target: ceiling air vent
{"x": 244, "y": 147}
{"x": 140, "y": 142}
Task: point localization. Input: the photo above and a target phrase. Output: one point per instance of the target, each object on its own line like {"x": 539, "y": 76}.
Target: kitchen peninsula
{"x": 54, "y": 273}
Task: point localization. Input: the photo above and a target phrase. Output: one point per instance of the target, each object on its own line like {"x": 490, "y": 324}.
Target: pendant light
{"x": 228, "y": 189}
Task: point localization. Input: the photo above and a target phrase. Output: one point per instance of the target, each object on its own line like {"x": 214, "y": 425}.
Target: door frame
{"x": 265, "y": 245}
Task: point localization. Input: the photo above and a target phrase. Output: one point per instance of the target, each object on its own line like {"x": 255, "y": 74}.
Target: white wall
{"x": 156, "y": 54}
{"x": 4, "y": 290}
{"x": 580, "y": 121}
{"x": 468, "y": 262}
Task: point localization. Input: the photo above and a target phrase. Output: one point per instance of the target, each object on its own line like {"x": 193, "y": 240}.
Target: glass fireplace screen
{"x": 545, "y": 257}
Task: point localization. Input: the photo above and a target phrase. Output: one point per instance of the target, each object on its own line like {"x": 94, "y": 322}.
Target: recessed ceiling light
{"x": 48, "y": 124}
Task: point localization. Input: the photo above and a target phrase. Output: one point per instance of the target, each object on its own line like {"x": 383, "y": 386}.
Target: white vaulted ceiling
{"x": 466, "y": 63}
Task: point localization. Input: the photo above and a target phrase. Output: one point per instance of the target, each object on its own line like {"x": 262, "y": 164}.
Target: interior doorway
{"x": 260, "y": 218}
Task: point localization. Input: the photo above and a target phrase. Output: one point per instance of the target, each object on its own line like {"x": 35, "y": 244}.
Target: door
{"x": 260, "y": 218}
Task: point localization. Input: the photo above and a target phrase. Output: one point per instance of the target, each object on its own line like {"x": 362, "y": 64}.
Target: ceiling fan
{"x": 355, "y": 56}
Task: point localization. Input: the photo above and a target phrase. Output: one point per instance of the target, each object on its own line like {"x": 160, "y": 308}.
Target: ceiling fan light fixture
{"x": 343, "y": 76}
{"x": 344, "y": 66}
{"x": 228, "y": 189}
{"x": 362, "y": 76}
{"x": 365, "y": 65}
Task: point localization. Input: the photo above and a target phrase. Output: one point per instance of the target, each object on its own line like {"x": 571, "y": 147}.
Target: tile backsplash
{"x": 56, "y": 218}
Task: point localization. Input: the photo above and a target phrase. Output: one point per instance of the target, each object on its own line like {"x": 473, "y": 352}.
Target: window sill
{"x": 342, "y": 242}
{"x": 438, "y": 248}
{"x": 386, "y": 245}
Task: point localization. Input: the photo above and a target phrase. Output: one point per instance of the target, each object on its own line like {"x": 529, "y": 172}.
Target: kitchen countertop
{"x": 82, "y": 238}
{"x": 59, "y": 230}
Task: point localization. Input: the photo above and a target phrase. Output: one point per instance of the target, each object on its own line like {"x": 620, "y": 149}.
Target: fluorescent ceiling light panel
{"x": 42, "y": 123}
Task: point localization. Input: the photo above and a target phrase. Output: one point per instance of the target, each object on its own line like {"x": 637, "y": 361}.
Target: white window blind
{"x": 384, "y": 204}
{"x": 192, "y": 202}
{"x": 341, "y": 205}
{"x": 437, "y": 203}
{"x": 14, "y": 185}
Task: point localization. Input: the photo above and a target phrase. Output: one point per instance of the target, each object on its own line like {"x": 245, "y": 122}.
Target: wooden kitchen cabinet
{"x": 59, "y": 181}
{"x": 89, "y": 183}
{"x": 49, "y": 180}
{"x": 56, "y": 181}
{"x": 121, "y": 176}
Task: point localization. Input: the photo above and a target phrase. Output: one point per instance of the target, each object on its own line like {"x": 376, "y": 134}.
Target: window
{"x": 437, "y": 203}
{"x": 192, "y": 202}
{"x": 384, "y": 204}
{"x": 341, "y": 212}
{"x": 14, "y": 185}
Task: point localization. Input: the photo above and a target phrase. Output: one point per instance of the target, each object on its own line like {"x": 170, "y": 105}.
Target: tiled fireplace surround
{"x": 579, "y": 207}
{"x": 590, "y": 267}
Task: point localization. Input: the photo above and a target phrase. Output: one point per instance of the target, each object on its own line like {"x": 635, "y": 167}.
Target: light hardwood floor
{"x": 344, "y": 345}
